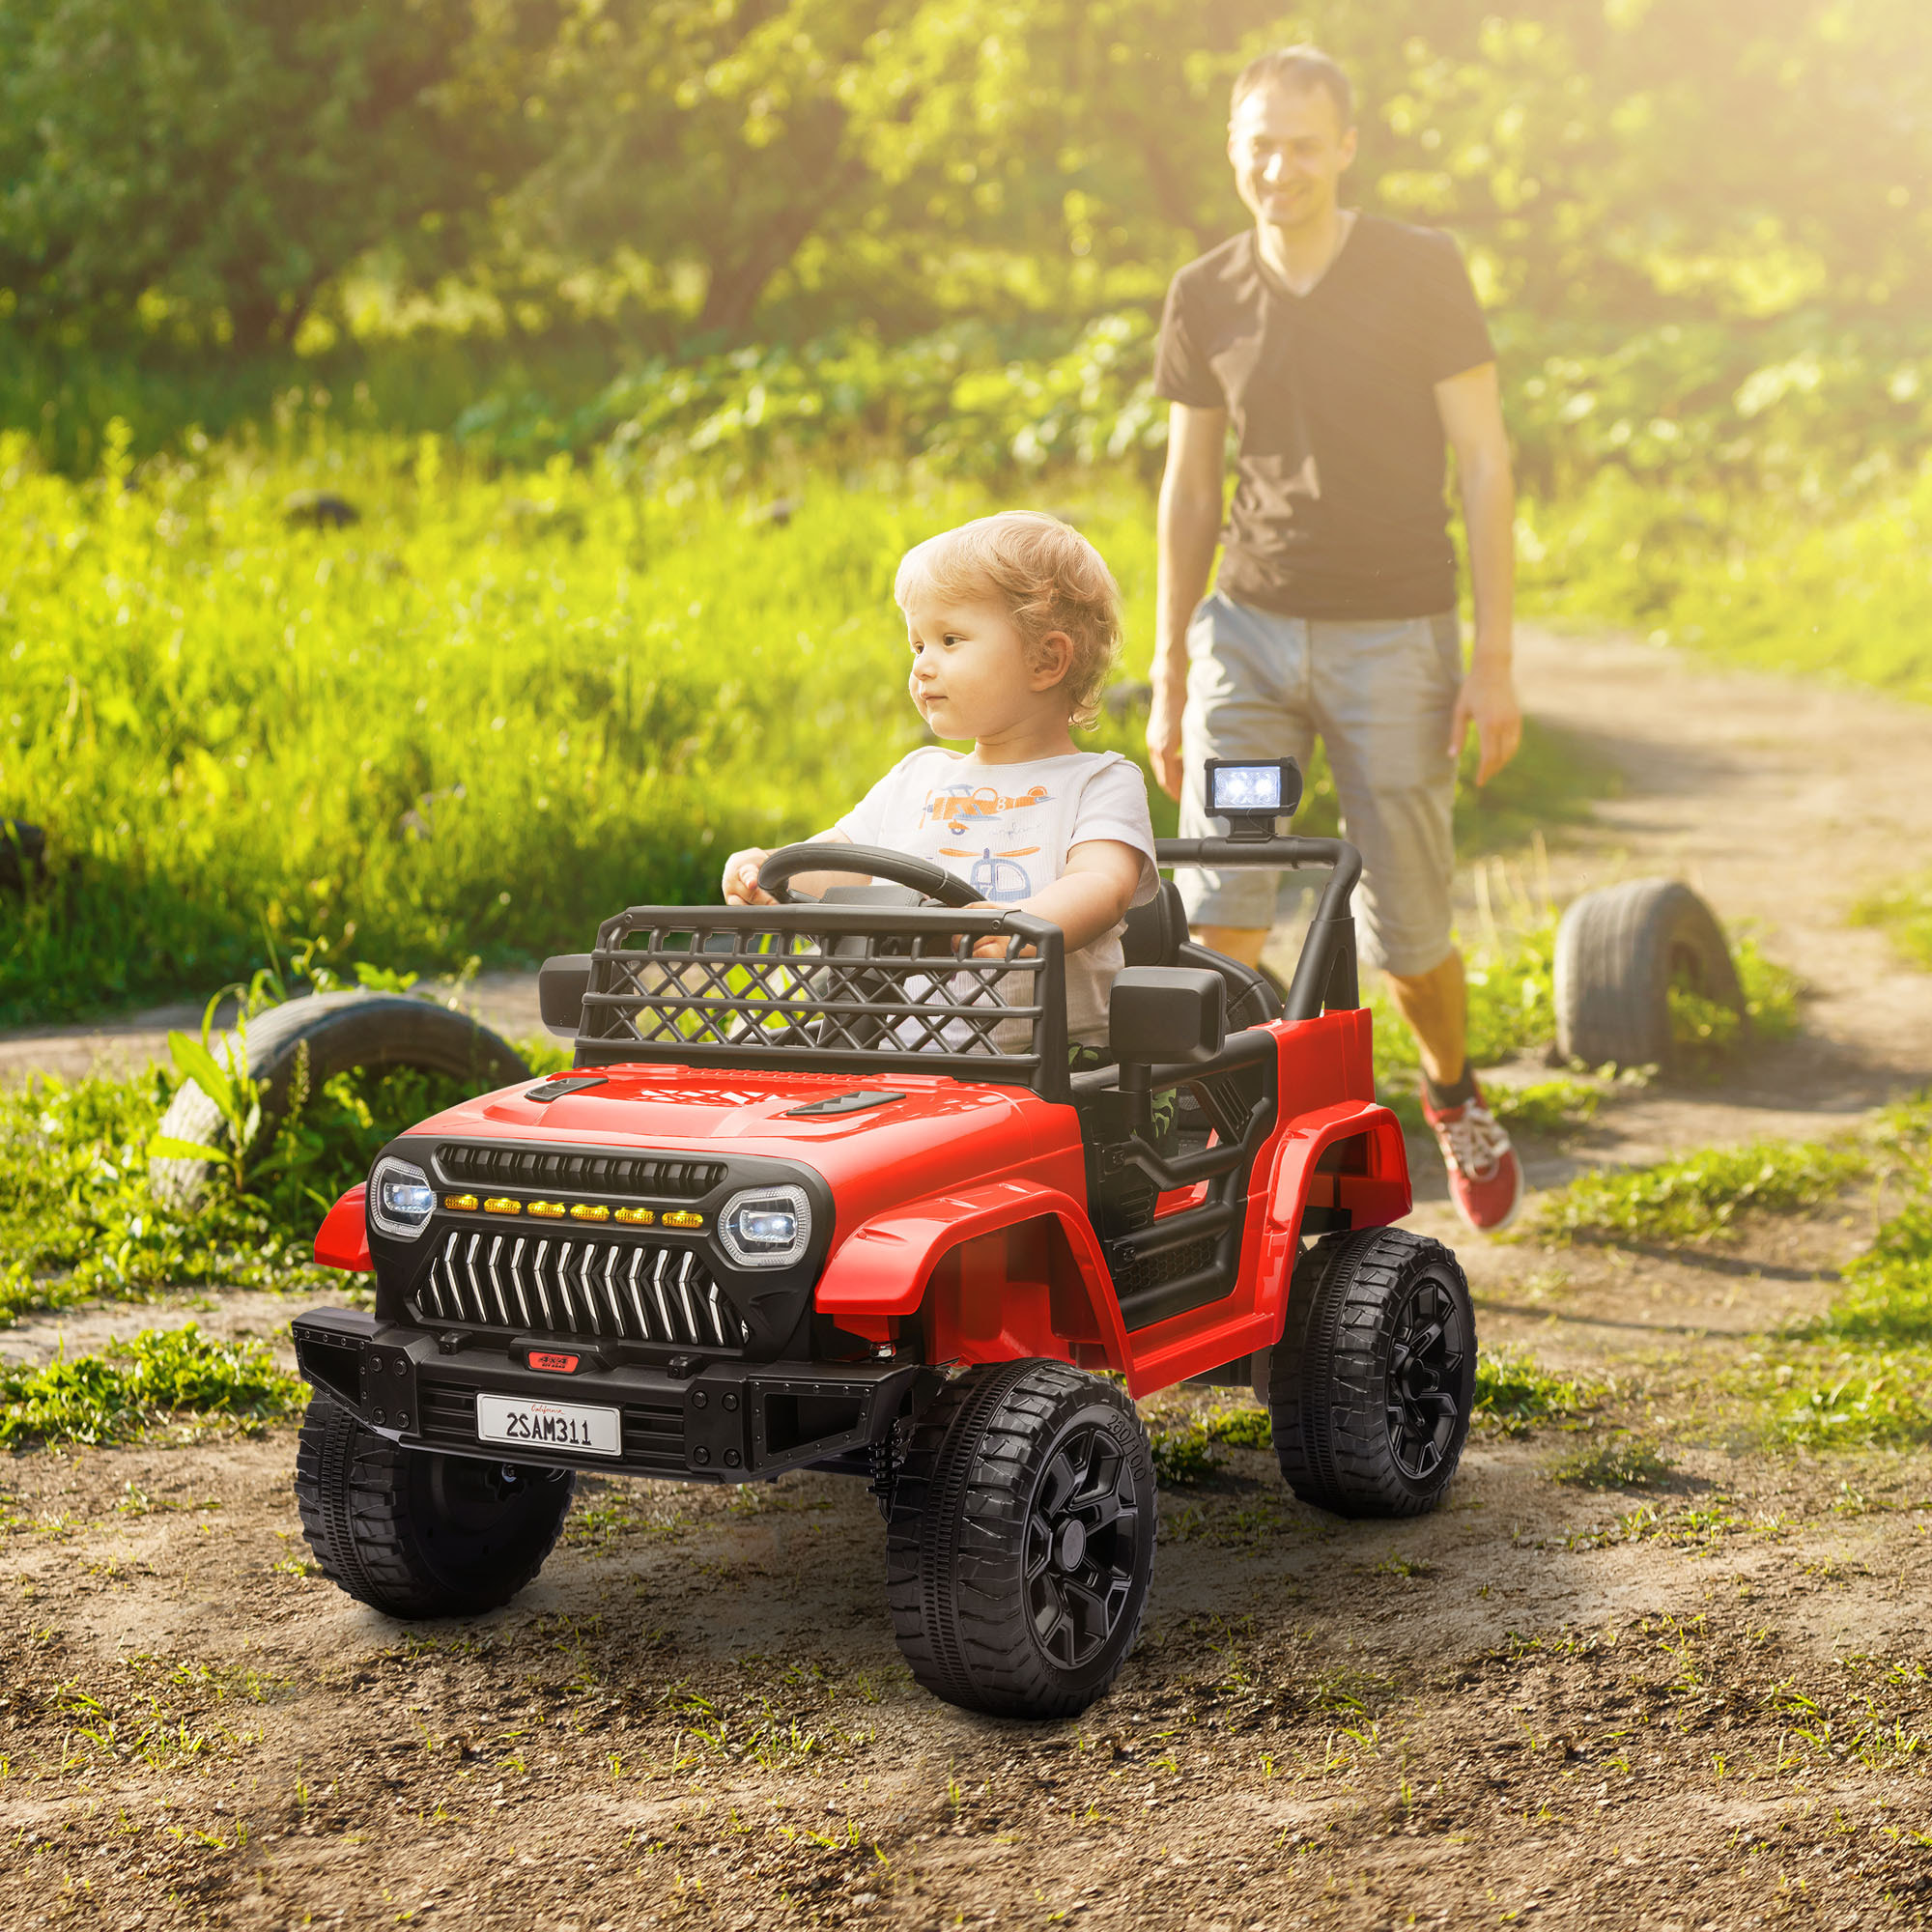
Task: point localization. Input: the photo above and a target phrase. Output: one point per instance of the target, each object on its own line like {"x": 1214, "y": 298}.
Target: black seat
{"x": 1156, "y": 935}
{"x": 1157, "y": 930}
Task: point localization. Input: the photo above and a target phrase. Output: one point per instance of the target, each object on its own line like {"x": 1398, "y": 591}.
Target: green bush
{"x": 79, "y": 1221}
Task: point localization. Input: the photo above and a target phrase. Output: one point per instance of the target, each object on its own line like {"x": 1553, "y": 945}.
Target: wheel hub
{"x": 1428, "y": 1348}
{"x": 1081, "y": 1537}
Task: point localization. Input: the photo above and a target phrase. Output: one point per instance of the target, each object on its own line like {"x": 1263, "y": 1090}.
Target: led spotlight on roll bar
{"x": 1252, "y": 793}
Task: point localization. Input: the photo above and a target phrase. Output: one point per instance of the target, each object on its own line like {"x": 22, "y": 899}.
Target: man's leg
{"x": 1385, "y": 694}
{"x": 1246, "y": 698}
{"x": 1435, "y": 1006}
{"x": 1234, "y": 941}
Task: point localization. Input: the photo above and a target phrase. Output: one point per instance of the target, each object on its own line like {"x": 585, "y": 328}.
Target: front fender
{"x": 884, "y": 1268}
{"x": 342, "y": 1241}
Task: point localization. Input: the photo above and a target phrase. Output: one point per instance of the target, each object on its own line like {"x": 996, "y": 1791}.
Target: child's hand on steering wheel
{"x": 741, "y": 878}
{"x": 992, "y": 944}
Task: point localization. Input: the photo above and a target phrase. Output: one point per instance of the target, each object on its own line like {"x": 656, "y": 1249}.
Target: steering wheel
{"x": 918, "y": 875}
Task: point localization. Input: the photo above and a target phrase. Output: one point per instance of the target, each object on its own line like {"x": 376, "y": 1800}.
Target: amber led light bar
{"x": 576, "y": 1211}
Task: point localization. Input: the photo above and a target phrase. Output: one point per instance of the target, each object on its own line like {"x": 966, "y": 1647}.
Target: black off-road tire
{"x": 417, "y": 1534}
{"x": 336, "y": 1032}
{"x": 997, "y": 1607}
{"x": 1618, "y": 952}
{"x": 1369, "y": 1412}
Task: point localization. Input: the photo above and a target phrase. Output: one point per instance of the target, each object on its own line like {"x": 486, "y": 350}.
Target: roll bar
{"x": 1325, "y": 975}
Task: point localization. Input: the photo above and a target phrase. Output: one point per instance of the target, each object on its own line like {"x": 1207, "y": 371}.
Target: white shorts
{"x": 1380, "y": 694}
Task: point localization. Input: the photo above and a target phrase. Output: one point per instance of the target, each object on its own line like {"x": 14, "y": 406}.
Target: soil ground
{"x": 1700, "y": 1703}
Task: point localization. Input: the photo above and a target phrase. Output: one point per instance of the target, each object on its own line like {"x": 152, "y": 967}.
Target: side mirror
{"x": 562, "y": 984}
{"x": 1167, "y": 1016}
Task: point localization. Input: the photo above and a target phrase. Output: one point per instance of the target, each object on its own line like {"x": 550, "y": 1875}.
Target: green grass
{"x": 1812, "y": 581}
{"x": 1707, "y": 1032}
{"x": 1861, "y": 1373}
{"x": 79, "y": 1220}
{"x": 1183, "y": 1452}
{"x": 473, "y": 722}
{"x": 481, "y": 718}
{"x": 1186, "y": 1449}
{"x": 1905, "y": 913}
{"x": 1551, "y": 1108}
{"x": 1697, "y": 1197}
{"x": 162, "y": 1374}
{"x": 1622, "y": 1463}
{"x": 1514, "y": 1393}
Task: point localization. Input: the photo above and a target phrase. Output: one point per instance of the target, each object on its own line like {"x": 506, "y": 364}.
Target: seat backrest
{"x": 1252, "y": 997}
{"x": 1157, "y": 930}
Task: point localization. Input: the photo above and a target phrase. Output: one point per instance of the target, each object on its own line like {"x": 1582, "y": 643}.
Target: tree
{"x": 220, "y": 161}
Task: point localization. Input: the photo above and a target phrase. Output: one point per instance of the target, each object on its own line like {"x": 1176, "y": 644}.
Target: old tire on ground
{"x": 417, "y": 1534}
{"x": 1373, "y": 1381}
{"x": 338, "y": 1031}
{"x": 1020, "y": 1545}
{"x": 1619, "y": 952}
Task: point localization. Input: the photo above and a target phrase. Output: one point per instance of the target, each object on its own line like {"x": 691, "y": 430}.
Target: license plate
{"x": 521, "y": 1423}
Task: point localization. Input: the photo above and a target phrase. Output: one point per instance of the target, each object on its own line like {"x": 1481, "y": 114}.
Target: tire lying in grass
{"x": 338, "y": 1033}
{"x": 1620, "y": 951}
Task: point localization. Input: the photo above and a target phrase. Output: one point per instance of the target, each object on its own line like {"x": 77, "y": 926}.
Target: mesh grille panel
{"x": 1140, "y": 1274}
{"x": 846, "y": 984}
{"x": 577, "y": 1285}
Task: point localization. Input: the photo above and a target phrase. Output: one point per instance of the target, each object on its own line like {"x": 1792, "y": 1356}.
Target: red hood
{"x": 943, "y": 1133}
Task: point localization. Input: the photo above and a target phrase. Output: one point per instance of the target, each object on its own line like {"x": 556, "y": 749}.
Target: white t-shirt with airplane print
{"x": 1005, "y": 830}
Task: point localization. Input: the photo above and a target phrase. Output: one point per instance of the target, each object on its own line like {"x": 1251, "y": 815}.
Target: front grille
{"x": 653, "y": 1432}
{"x": 553, "y": 1285}
{"x": 501, "y": 1167}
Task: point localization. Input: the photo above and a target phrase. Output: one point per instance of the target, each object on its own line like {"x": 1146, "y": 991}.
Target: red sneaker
{"x": 1485, "y": 1175}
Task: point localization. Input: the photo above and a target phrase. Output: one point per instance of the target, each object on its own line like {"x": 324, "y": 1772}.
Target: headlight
{"x": 401, "y": 1199}
{"x": 766, "y": 1227}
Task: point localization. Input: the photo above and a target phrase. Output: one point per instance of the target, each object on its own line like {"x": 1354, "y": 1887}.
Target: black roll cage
{"x": 869, "y": 989}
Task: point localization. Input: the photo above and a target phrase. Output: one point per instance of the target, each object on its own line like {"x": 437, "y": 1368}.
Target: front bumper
{"x": 728, "y": 1421}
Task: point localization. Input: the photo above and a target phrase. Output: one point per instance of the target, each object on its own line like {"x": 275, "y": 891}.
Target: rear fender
{"x": 342, "y": 1241}
{"x": 998, "y": 1272}
{"x": 1344, "y": 1161}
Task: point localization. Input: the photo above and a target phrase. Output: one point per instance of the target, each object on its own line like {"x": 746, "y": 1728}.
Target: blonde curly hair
{"x": 1048, "y": 577}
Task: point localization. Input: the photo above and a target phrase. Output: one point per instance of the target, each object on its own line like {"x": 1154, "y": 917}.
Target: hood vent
{"x": 646, "y": 1176}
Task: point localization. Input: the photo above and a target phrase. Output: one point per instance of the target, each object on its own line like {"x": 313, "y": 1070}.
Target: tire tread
{"x": 955, "y": 1547}
{"x": 1330, "y": 1433}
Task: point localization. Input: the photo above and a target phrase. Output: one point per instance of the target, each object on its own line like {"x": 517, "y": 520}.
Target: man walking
{"x": 1346, "y": 350}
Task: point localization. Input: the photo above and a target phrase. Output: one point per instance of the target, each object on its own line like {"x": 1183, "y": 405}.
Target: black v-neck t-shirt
{"x": 1339, "y": 507}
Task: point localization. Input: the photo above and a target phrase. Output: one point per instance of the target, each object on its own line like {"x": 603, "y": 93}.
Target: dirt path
{"x": 1698, "y": 1704}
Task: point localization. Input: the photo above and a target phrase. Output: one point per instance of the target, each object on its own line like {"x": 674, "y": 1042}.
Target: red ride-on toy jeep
{"x": 822, "y": 1193}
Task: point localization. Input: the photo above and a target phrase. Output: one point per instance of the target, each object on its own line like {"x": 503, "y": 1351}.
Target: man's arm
{"x": 1188, "y": 528}
{"x": 1472, "y": 419}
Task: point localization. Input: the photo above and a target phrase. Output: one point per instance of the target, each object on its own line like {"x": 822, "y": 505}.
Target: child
{"x": 1014, "y": 621}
